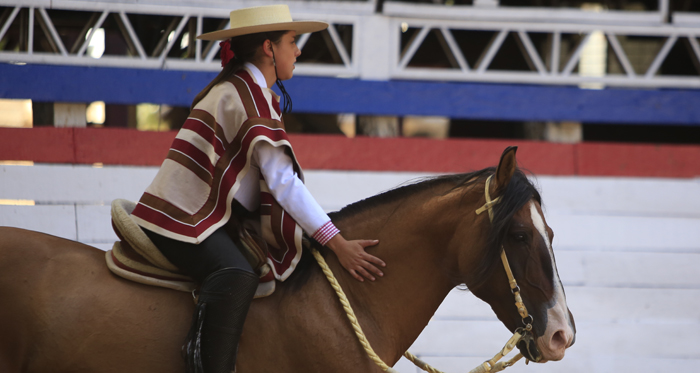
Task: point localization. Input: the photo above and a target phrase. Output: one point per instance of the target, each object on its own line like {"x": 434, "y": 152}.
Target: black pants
{"x": 216, "y": 252}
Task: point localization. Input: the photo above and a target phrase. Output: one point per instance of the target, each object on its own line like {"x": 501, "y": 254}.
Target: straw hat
{"x": 263, "y": 18}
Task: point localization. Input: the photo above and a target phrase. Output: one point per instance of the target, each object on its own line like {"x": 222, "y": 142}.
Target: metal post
{"x": 198, "y": 43}
{"x": 664, "y": 11}
{"x": 30, "y": 39}
{"x": 556, "y": 51}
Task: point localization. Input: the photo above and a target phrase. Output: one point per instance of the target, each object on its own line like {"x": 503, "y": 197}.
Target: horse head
{"x": 520, "y": 241}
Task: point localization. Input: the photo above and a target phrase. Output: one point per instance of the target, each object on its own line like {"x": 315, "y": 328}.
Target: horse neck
{"x": 415, "y": 236}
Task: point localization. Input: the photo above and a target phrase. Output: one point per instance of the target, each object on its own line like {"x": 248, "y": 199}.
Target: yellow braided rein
{"x": 490, "y": 366}
{"x": 350, "y": 313}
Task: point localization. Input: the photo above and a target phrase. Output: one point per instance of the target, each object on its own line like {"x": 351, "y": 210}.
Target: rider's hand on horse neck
{"x": 355, "y": 259}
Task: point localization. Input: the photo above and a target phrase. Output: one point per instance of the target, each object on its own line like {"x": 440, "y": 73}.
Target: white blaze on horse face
{"x": 559, "y": 333}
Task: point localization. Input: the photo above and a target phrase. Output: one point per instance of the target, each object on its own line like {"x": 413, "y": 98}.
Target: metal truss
{"x": 558, "y": 67}
{"x": 376, "y": 49}
{"x": 185, "y": 19}
{"x": 558, "y": 71}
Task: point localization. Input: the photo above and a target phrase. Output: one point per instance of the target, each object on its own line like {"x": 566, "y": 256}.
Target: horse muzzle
{"x": 528, "y": 347}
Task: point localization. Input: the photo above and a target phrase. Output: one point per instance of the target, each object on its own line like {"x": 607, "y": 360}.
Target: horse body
{"x": 84, "y": 319}
{"x": 309, "y": 324}
{"x": 63, "y": 311}
{"x": 66, "y": 312}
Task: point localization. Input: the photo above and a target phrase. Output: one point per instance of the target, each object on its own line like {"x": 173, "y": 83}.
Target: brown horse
{"x": 61, "y": 310}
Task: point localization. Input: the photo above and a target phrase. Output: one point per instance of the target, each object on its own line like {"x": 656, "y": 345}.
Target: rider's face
{"x": 286, "y": 53}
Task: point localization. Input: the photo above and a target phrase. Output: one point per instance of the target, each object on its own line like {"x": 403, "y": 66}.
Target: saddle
{"x": 136, "y": 258}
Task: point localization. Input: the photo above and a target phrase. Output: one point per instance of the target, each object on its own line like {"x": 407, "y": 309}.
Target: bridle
{"x": 521, "y": 334}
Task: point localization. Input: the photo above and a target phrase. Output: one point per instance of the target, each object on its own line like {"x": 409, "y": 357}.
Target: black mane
{"x": 518, "y": 192}
{"x": 412, "y": 188}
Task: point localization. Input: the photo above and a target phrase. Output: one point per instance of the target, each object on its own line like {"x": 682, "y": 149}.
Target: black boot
{"x": 224, "y": 300}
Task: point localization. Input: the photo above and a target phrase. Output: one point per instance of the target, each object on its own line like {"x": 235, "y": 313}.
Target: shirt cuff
{"x": 325, "y": 233}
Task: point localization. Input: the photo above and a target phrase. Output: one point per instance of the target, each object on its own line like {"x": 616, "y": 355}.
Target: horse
{"x": 63, "y": 311}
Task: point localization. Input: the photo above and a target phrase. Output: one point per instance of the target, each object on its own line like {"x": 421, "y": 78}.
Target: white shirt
{"x": 290, "y": 192}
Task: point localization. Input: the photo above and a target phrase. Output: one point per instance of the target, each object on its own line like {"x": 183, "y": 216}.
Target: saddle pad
{"x": 136, "y": 258}
{"x": 119, "y": 262}
{"x": 130, "y": 232}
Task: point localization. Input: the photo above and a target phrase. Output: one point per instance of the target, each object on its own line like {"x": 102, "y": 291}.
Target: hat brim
{"x": 301, "y": 27}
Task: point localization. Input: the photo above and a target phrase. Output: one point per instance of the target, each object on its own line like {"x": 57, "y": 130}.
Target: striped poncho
{"x": 192, "y": 194}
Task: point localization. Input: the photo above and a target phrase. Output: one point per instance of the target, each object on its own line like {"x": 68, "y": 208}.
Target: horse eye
{"x": 519, "y": 237}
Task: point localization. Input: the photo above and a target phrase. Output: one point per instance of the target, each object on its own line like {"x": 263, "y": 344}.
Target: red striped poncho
{"x": 191, "y": 195}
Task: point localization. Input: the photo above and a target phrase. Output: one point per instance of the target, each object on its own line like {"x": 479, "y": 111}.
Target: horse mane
{"x": 410, "y": 189}
{"x": 518, "y": 192}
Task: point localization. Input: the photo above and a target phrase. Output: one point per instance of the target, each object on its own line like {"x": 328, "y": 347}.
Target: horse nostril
{"x": 558, "y": 341}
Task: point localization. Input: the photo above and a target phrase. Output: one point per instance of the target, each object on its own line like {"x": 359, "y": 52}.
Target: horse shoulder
{"x": 301, "y": 329}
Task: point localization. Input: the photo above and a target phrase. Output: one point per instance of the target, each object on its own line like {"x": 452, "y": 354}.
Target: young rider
{"x": 233, "y": 138}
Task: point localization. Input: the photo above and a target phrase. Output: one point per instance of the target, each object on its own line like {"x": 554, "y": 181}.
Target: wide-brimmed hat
{"x": 261, "y": 19}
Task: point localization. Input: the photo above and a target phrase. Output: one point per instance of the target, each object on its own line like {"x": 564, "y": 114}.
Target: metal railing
{"x": 380, "y": 55}
{"x": 204, "y": 52}
{"x": 557, "y": 70}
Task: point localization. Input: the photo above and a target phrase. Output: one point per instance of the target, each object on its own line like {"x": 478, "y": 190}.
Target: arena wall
{"x": 626, "y": 242}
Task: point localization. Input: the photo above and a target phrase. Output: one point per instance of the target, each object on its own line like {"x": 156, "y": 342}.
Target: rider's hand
{"x": 355, "y": 259}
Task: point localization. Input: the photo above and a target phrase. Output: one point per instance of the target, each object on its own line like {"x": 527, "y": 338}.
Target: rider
{"x": 233, "y": 139}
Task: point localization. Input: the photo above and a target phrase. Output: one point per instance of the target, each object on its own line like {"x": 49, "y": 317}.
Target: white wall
{"x": 626, "y": 250}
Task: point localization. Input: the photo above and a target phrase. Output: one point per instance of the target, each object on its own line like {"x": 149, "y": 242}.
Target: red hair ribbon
{"x": 226, "y": 52}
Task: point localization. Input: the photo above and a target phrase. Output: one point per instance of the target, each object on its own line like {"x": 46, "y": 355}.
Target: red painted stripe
{"x": 332, "y": 152}
{"x": 41, "y": 144}
{"x": 260, "y": 101}
{"x": 420, "y": 155}
{"x": 601, "y": 159}
{"x": 121, "y": 146}
{"x": 206, "y": 133}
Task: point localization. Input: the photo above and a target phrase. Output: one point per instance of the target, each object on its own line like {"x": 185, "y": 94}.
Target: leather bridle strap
{"x": 514, "y": 288}
{"x": 488, "y": 206}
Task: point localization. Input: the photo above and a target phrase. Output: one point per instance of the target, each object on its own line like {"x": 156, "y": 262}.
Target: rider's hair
{"x": 245, "y": 48}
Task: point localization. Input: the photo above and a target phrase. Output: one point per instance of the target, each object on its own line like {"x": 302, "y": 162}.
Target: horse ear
{"x": 506, "y": 168}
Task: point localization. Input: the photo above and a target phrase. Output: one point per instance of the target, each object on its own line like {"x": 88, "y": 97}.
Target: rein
{"x": 493, "y": 365}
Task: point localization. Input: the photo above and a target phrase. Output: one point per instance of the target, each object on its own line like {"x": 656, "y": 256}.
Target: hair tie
{"x": 226, "y": 52}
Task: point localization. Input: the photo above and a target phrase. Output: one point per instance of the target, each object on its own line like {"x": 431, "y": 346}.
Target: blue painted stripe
{"x": 334, "y": 95}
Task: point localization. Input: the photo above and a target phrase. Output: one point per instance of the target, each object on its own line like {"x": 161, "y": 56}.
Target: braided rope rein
{"x": 488, "y": 366}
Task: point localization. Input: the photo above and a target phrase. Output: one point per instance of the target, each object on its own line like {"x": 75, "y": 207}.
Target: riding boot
{"x": 224, "y": 299}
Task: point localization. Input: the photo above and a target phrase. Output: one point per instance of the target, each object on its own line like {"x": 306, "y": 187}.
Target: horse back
{"x": 62, "y": 310}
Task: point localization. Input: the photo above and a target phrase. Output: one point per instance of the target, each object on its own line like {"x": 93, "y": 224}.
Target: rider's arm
{"x": 291, "y": 193}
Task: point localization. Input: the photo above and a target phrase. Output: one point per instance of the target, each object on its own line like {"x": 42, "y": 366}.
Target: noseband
{"x": 522, "y": 334}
